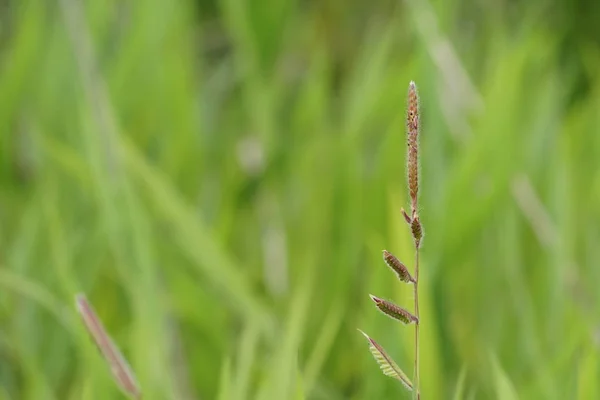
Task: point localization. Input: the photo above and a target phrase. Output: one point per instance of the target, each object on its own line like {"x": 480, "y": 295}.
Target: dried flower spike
{"x": 394, "y": 311}
{"x": 397, "y": 266}
{"x": 412, "y": 125}
{"x": 121, "y": 371}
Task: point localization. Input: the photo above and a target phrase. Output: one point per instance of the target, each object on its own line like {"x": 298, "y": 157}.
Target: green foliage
{"x": 220, "y": 177}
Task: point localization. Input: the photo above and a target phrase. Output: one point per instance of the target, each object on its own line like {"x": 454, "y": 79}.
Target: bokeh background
{"x": 220, "y": 177}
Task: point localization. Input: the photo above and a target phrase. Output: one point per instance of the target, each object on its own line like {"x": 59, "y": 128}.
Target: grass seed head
{"x": 398, "y": 267}
{"x": 393, "y": 311}
{"x": 417, "y": 230}
{"x": 412, "y": 126}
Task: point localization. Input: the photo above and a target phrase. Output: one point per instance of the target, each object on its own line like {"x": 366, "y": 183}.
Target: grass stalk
{"x": 412, "y": 126}
{"x": 386, "y": 363}
{"x": 416, "y": 293}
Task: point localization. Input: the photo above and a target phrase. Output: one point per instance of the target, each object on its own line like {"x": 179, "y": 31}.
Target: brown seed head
{"x": 412, "y": 126}
{"x": 397, "y": 266}
{"x": 417, "y": 230}
{"x": 394, "y": 311}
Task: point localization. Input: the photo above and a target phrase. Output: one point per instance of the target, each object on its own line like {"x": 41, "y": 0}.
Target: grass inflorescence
{"x": 388, "y": 366}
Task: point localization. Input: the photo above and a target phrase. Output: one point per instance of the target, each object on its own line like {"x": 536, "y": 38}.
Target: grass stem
{"x": 416, "y": 293}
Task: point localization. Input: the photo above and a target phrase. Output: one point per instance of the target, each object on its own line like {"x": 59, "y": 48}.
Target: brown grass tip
{"x": 119, "y": 367}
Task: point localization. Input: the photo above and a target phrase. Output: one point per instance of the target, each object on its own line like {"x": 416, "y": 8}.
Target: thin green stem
{"x": 416, "y": 293}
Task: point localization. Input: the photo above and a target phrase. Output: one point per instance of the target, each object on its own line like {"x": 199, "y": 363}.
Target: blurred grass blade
{"x": 246, "y": 353}
{"x": 459, "y": 392}
{"x": 120, "y": 369}
{"x": 587, "y": 375}
{"x": 225, "y": 381}
{"x": 322, "y": 348}
{"x": 300, "y": 393}
{"x": 504, "y": 388}
{"x": 387, "y": 365}
{"x": 196, "y": 240}
{"x": 36, "y": 293}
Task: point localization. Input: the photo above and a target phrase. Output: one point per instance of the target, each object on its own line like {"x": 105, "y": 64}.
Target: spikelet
{"x": 386, "y": 363}
{"x": 397, "y": 266}
{"x": 412, "y": 127}
{"x": 417, "y": 231}
{"x": 393, "y": 311}
{"x": 407, "y": 218}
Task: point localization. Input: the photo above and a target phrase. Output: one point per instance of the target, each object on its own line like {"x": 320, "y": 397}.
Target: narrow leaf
{"x": 394, "y": 311}
{"x": 121, "y": 371}
{"x": 387, "y": 365}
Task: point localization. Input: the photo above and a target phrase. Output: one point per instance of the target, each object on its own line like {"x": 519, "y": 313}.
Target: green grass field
{"x": 220, "y": 178}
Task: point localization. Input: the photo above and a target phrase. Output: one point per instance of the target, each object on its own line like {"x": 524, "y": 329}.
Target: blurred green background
{"x": 220, "y": 177}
